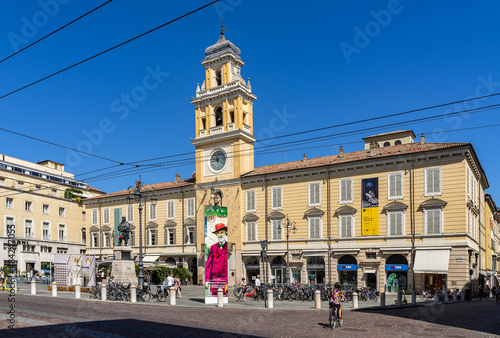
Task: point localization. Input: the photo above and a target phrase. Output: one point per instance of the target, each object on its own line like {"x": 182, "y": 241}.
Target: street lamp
{"x": 137, "y": 194}
{"x": 290, "y": 226}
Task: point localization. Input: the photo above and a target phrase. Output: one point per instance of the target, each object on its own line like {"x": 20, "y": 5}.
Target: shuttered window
{"x": 346, "y": 223}
{"x": 171, "y": 209}
{"x": 345, "y": 190}
{"x": 94, "y": 217}
{"x": 314, "y": 227}
{"x": 130, "y": 213}
{"x": 152, "y": 211}
{"x": 251, "y": 231}
{"x": 170, "y": 236}
{"x": 105, "y": 215}
{"x": 276, "y": 229}
{"x": 433, "y": 221}
{"x": 314, "y": 194}
{"x": 432, "y": 181}
{"x": 277, "y": 198}
{"x": 396, "y": 223}
{"x": 251, "y": 203}
{"x": 190, "y": 207}
{"x": 395, "y": 188}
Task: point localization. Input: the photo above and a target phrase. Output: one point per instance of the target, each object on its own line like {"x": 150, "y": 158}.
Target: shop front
{"x": 252, "y": 268}
{"x": 278, "y": 270}
{"x": 433, "y": 265}
{"x": 347, "y": 269}
{"x": 316, "y": 270}
{"x": 396, "y": 273}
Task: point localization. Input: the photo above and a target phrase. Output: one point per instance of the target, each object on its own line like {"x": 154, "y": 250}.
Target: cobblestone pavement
{"x": 64, "y": 317}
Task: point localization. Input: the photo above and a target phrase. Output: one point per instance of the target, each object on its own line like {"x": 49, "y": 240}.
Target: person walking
{"x": 177, "y": 287}
{"x": 243, "y": 287}
{"x": 257, "y": 287}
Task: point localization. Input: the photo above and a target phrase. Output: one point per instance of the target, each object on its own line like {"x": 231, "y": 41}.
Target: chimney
{"x": 422, "y": 139}
{"x": 177, "y": 178}
{"x": 373, "y": 148}
{"x": 341, "y": 151}
{"x": 304, "y": 157}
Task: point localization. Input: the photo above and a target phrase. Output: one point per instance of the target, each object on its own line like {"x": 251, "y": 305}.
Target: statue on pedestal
{"x": 123, "y": 232}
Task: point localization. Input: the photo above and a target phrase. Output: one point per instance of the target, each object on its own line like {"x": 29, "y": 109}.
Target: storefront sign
{"x": 346, "y": 267}
{"x": 315, "y": 266}
{"x": 396, "y": 267}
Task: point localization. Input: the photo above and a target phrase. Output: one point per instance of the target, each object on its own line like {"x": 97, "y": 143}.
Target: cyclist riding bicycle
{"x": 336, "y": 297}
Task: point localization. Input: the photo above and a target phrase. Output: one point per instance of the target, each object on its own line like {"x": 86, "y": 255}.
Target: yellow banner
{"x": 370, "y": 221}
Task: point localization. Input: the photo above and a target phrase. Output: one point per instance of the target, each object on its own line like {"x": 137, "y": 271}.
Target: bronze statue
{"x": 123, "y": 232}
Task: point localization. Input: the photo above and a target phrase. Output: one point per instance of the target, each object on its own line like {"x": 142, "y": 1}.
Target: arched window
{"x": 398, "y": 142}
{"x": 347, "y": 259}
{"x": 218, "y": 117}
{"x": 218, "y": 77}
{"x": 397, "y": 259}
{"x": 387, "y": 144}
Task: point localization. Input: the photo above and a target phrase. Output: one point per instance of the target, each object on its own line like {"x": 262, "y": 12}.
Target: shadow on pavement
{"x": 199, "y": 300}
{"x": 115, "y": 328}
{"x": 475, "y": 315}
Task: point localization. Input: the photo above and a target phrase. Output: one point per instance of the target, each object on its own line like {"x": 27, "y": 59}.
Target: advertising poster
{"x": 216, "y": 262}
{"x": 369, "y": 200}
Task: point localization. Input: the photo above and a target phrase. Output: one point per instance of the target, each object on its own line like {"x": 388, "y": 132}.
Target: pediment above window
{"x": 314, "y": 212}
{"x": 433, "y": 203}
{"x": 105, "y": 228}
{"x": 152, "y": 225}
{"x": 276, "y": 214}
{"x": 170, "y": 224}
{"x": 190, "y": 221}
{"x": 250, "y": 217}
{"x": 94, "y": 229}
{"x": 345, "y": 210}
{"x": 393, "y": 206}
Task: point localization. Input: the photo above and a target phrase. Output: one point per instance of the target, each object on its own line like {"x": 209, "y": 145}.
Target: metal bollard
{"x": 54, "y": 289}
{"x": 133, "y": 293}
{"x": 446, "y": 296}
{"x": 382, "y": 299}
{"x": 317, "y": 299}
{"x": 77, "y": 291}
{"x": 355, "y": 300}
{"x": 33, "y": 287}
{"x": 173, "y": 299}
{"x": 413, "y": 297}
{"x": 103, "y": 291}
{"x": 455, "y": 295}
{"x": 400, "y": 298}
{"x": 437, "y": 297}
{"x": 462, "y": 295}
{"x": 220, "y": 298}
{"x": 270, "y": 303}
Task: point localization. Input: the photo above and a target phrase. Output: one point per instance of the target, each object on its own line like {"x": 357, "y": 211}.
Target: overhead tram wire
{"x": 304, "y": 141}
{"x": 57, "y": 30}
{"x": 107, "y": 50}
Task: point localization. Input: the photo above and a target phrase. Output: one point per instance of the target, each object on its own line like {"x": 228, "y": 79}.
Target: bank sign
{"x": 345, "y": 267}
{"x": 396, "y": 267}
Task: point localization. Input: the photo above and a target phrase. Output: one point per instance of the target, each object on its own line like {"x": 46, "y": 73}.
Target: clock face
{"x": 218, "y": 160}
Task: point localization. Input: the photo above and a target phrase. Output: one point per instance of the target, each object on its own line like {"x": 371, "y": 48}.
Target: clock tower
{"x": 224, "y": 116}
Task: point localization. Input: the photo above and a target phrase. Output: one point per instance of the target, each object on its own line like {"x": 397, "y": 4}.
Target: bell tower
{"x": 224, "y": 116}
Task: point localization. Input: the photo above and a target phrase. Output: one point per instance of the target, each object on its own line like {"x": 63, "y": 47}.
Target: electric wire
{"x": 57, "y": 30}
{"x": 107, "y": 50}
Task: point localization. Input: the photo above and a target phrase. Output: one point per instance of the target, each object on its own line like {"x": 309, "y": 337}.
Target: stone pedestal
{"x": 123, "y": 267}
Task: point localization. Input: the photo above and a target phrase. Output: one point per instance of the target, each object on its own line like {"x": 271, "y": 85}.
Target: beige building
{"x": 39, "y": 214}
{"x": 400, "y": 213}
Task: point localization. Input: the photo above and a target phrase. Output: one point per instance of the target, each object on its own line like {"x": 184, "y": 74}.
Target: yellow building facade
{"x": 38, "y": 215}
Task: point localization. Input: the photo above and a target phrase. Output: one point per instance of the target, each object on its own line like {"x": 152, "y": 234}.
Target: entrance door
{"x": 278, "y": 276}
{"x": 371, "y": 280}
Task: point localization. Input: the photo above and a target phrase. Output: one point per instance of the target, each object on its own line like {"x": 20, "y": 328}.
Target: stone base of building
{"x": 123, "y": 267}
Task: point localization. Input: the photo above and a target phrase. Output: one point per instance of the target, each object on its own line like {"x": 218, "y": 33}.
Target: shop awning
{"x": 432, "y": 261}
{"x": 150, "y": 258}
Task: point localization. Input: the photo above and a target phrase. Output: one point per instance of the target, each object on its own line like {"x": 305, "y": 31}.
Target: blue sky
{"x": 312, "y": 64}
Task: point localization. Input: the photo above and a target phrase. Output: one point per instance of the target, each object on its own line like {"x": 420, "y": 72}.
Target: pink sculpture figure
{"x": 216, "y": 268}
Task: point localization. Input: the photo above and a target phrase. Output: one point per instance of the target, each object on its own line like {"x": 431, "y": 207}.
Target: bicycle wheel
{"x": 341, "y": 322}
{"x": 331, "y": 318}
{"x": 237, "y": 292}
{"x": 162, "y": 296}
{"x": 145, "y": 296}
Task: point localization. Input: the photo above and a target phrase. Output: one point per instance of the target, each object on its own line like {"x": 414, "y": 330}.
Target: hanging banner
{"x": 216, "y": 263}
{"x": 369, "y": 198}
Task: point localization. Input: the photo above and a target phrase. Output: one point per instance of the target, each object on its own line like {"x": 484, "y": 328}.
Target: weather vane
{"x": 222, "y": 29}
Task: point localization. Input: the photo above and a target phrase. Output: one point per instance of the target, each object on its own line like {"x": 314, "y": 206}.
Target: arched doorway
{"x": 278, "y": 270}
{"x": 347, "y": 268}
{"x": 396, "y": 271}
{"x": 252, "y": 268}
{"x": 316, "y": 270}
{"x": 170, "y": 263}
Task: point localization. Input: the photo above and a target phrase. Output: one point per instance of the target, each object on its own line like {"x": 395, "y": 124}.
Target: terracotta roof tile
{"x": 95, "y": 189}
{"x": 157, "y": 186}
{"x": 403, "y": 149}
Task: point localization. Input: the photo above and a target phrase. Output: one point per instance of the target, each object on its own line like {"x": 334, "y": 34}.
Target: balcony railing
{"x": 216, "y": 130}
